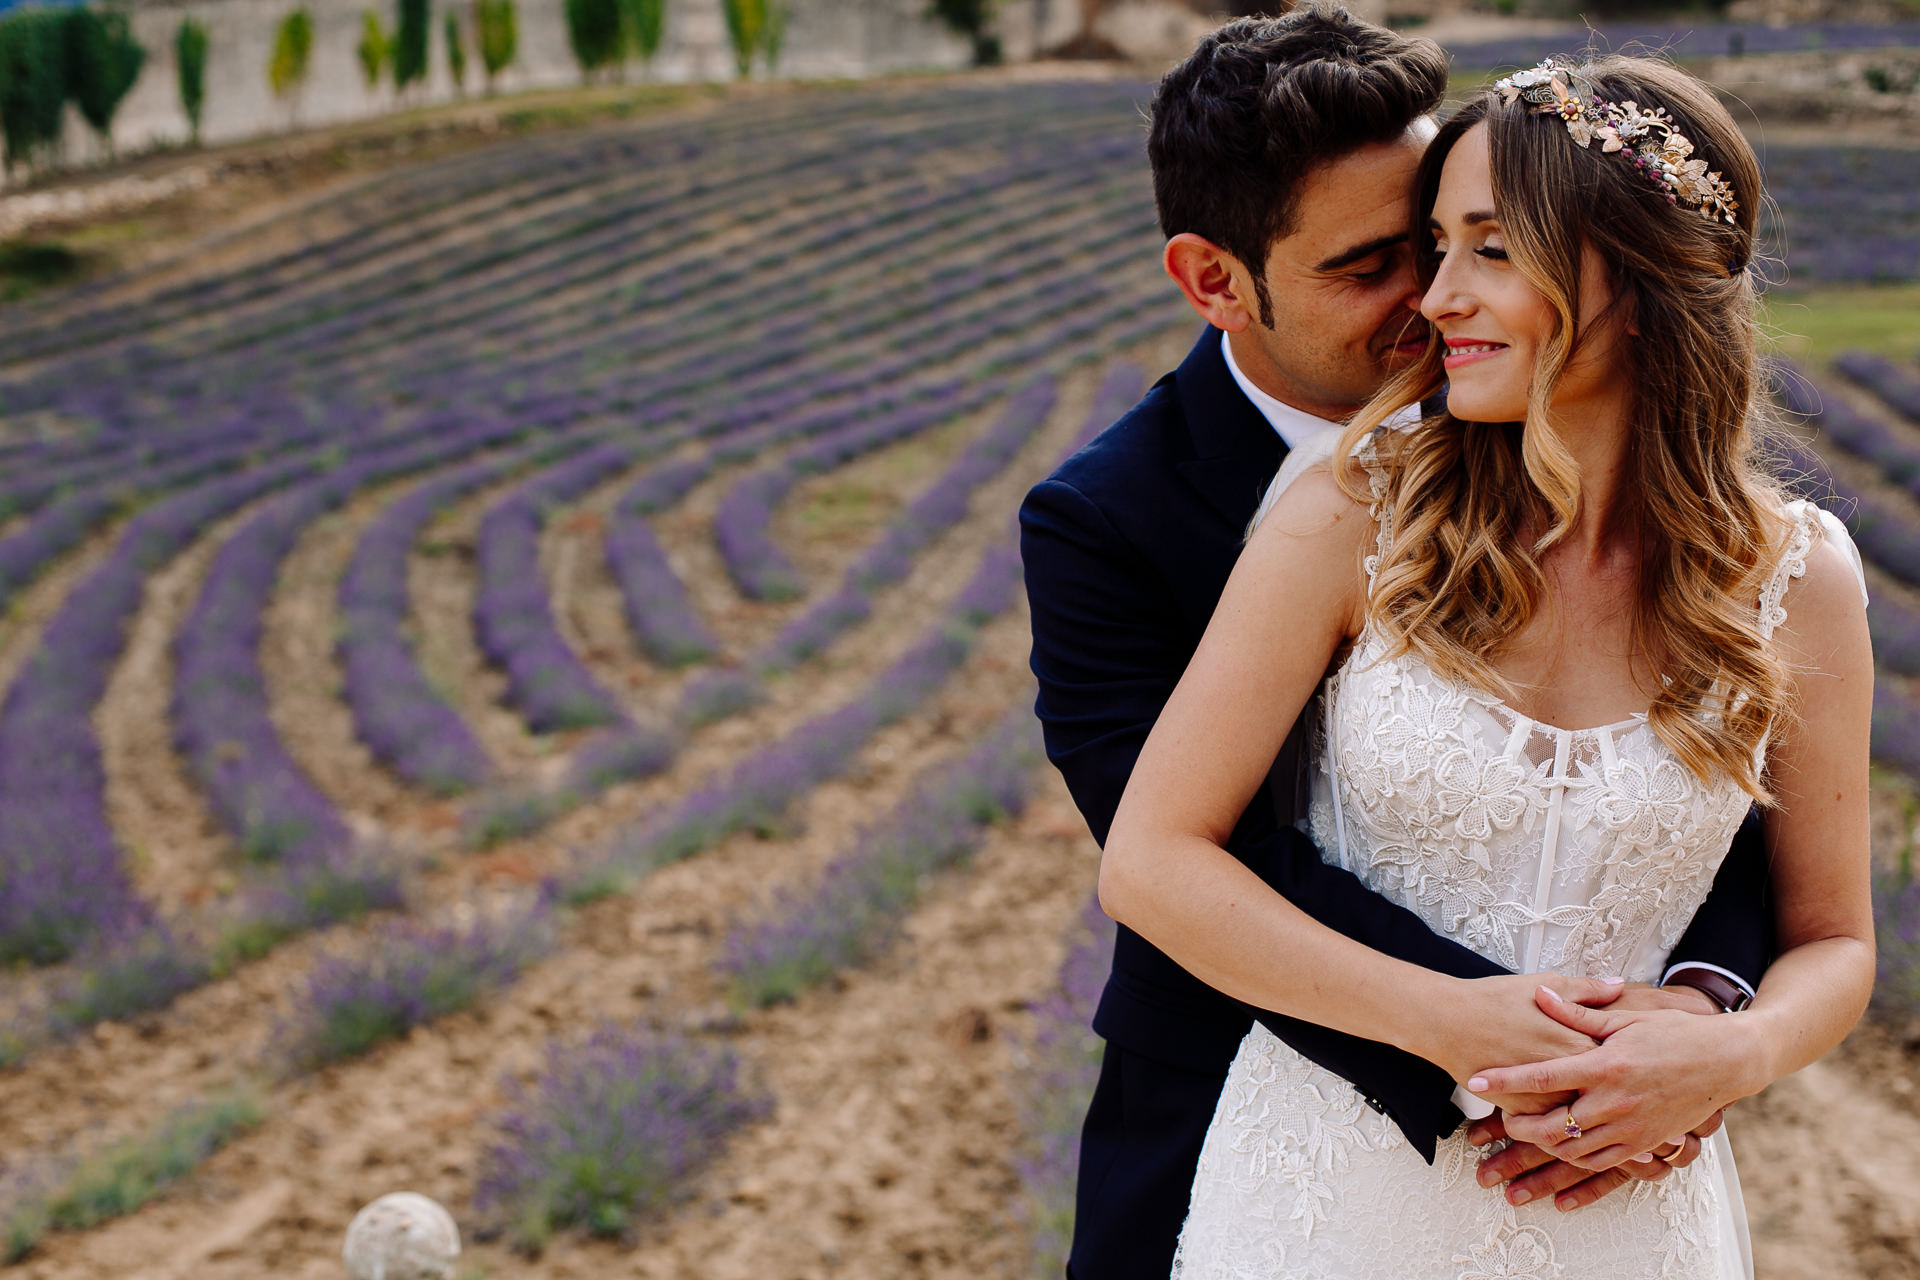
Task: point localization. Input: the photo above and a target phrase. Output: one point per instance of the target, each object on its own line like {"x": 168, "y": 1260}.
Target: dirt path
{"x": 305, "y": 684}
{"x": 177, "y": 850}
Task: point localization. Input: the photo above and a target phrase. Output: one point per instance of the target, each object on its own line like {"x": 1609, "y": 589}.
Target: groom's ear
{"x": 1215, "y": 282}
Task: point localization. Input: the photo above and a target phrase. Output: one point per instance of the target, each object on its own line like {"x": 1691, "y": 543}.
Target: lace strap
{"x": 1792, "y": 564}
{"x": 1368, "y": 456}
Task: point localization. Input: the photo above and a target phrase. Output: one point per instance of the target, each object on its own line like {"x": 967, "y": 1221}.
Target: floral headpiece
{"x": 1647, "y": 138}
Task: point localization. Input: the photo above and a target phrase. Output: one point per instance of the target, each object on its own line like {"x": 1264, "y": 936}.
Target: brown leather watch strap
{"x": 1717, "y": 987}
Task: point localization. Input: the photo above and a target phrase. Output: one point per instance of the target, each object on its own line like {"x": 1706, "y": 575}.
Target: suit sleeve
{"x": 1733, "y": 929}
{"x": 1107, "y": 657}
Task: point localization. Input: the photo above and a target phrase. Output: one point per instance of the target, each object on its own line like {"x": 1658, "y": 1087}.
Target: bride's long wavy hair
{"x": 1476, "y": 505}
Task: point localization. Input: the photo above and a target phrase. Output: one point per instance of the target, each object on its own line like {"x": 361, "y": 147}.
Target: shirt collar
{"x": 1295, "y": 426}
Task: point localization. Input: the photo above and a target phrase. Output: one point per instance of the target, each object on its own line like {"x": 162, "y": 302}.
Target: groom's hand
{"x": 1534, "y": 1174}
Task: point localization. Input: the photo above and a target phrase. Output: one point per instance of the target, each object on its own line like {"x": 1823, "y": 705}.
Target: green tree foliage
{"x": 413, "y": 19}
{"x": 456, "y": 51}
{"x": 746, "y": 30}
{"x": 292, "y": 49}
{"x": 593, "y": 29}
{"x": 774, "y": 37}
{"x": 103, "y": 61}
{"x": 190, "y": 62}
{"x": 33, "y": 83}
{"x": 374, "y": 48}
{"x": 498, "y": 29}
{"x": 646, "y": 21}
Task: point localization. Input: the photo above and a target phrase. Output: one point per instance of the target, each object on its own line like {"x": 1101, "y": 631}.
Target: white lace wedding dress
{"x": 1580, "y": 851}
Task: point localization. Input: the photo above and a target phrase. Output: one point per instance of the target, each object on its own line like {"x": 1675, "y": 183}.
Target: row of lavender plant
{"x": 221, "y": 720}
{"x": 1895, "y": 384}
{"x": 626, "y": 753}
{"x": 1892, "y": 542}
{"x": 720, "y": 693}
{"x": 61, "y": 874}
{"x": 853, "y": 910}
{"x": 1885, "y": 535}
{"x": 544, "y": 175}
{"x": 1056, "y": 1067}
{"x": 401, "y": 683}
{"x": 610, "y": 1129}
{"x": 756, "y": 794}
{"x": 89, "y": 497}
{"x": 547, "y": 682}
{"x": 1866, "y": 436}
{"x": 630, "y": 750}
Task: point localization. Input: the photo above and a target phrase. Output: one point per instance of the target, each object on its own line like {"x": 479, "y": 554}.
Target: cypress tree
{"x": 456, "y": 52}
{"x": 190, "y": 62}
{"x": 33, "y": 83}
{"x": 103, "y": 61}
{"x": 413, "y": 19}
{"x": 498, "y": 29}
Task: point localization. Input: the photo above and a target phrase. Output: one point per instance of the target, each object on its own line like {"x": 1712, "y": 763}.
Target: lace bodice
{"x": 1577, "y": 850}
{"x": 1571, "y": 850}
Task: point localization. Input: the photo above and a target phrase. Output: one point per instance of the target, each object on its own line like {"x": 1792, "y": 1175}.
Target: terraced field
{"x": 579, "y": 587}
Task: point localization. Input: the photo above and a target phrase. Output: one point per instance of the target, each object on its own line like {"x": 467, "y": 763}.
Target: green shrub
{"x": 190, "y": 60}
{"x": 456, "y": 52}
{"x": 646, "y": 20}
{"x": 103, "y": 61}
{"x": 593, "y": 29}
{"x": 498, "y": 29}
{"x": 374, "y": 48}
{"x": 292, "y": 48}
{"x": 412, "y": 20}
{"x": 33, "y": 83}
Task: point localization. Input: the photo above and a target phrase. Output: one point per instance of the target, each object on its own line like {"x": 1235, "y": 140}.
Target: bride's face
{"x": 1495, "y": 323}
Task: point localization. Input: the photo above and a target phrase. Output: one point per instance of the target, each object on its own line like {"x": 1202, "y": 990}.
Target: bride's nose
{"x": 1445, "y": 298}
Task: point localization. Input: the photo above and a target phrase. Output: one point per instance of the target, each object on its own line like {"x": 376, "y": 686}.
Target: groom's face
{"x": 1345, "y": 297}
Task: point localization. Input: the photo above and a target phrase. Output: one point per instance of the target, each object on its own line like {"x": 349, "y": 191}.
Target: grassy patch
{"x": 1814, "y": 325}
{"x": 29, "y": 266}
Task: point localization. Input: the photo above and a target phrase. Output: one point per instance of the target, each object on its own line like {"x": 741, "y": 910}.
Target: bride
{"x": 1583, "y": 538}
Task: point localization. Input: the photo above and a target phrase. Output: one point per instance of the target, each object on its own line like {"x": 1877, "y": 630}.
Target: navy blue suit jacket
{"x": 1127, "y": 547}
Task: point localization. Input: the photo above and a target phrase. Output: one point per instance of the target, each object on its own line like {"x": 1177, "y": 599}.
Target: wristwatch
{"x": 1717, "y": 987}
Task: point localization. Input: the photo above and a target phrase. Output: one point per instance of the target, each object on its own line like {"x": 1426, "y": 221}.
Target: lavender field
{"x": 514, "y": 670}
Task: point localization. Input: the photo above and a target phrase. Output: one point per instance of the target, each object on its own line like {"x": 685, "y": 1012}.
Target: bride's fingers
{"x": 1555, "y": 1075}
{"x": 1585, "y": 991}
{"x": 1597, "y": 1023}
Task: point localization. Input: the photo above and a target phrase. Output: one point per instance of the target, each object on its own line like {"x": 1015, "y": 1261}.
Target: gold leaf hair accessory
{"x": 1646, "y": 138}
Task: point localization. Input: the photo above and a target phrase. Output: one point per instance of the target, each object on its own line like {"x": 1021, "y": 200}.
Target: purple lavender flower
{"x": 610, "y": 1129}
{"x": 1057, "y": 1068}
{"x": 407, "y": 975}
{"x": 855, "y": 907}
{"x": 1896, "y": 923}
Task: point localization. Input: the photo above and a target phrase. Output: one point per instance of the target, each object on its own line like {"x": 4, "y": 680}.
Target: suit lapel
{"x": 1236, "y": 450}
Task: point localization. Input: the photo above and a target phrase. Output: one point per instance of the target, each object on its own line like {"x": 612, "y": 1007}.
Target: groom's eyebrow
{"x": 1347, "y": 257}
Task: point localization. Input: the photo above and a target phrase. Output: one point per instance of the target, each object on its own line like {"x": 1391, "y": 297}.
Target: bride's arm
{"x": 1659, "y": 1074}
{"x": 1294, "y": 597}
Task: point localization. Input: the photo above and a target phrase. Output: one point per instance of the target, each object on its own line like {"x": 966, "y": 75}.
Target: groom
{"x": 1283, "y": 154}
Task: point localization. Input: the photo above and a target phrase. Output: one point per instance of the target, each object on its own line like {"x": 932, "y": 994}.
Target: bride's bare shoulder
{"x": 1318, "y": 507}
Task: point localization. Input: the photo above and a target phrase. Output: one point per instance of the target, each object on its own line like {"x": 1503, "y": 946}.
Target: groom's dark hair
{"x": 1239, "y": 125}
